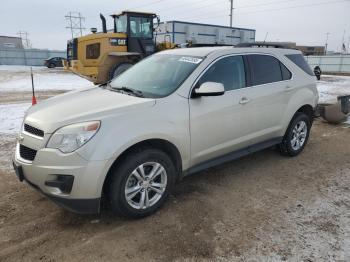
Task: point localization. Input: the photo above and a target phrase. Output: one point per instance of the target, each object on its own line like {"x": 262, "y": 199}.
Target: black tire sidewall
{"x": 120, "y": 175}
{"x": 115, "y": 68}
{"x": 289, "y": 134}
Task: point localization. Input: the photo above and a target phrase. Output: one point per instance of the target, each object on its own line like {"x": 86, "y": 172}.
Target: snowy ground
{"x": 330, "y": 87}
{"x": 11, "y": 116}
{"x": 17, "y": 79}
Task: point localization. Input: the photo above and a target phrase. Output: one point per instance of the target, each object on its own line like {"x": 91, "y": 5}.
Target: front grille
{"x": 33, "y": 130}
{"x": 27, "y": 153}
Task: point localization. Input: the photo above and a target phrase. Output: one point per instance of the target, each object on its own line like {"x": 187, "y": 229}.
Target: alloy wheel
{"x": 299, "y": 135}
{"x": 146, "y": 185}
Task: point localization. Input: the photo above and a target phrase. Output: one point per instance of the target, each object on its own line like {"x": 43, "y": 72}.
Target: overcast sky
{"x": 303, "y": 21}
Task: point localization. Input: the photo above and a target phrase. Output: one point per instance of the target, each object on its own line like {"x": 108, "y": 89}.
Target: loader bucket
{"x": 336, "y": 113}
{"x": 345, "y": 103}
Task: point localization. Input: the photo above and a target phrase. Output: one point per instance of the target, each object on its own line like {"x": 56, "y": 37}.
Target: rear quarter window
{"x": 300, "y": 61}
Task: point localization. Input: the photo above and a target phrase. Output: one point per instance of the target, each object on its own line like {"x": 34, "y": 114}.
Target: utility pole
{"x": 326, "y": 45}
{"x": 231, "y": 13}
{"x": 267, "y": 33}
{"x": 24, "y": 36}
{"x": 342, "y": 49}
{"x": 75, "y": 23}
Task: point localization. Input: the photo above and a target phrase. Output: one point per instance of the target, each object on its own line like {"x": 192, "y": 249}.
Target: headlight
{"x": 69, "y": 138}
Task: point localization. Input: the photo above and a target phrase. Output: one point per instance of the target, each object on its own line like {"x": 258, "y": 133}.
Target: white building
{"x": 10, "y": 42}
{"x": 180, "y": 32}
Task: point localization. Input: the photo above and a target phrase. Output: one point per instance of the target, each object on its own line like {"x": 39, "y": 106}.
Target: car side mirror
{"x": 209, "y": 89}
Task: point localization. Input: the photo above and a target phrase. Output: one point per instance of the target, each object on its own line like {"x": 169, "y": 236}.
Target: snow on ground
{"x": 330, "y": 87}
{"x": 11, "y": 117}
{"x": 16, "y": 68}
{"x": 17, "y": 78}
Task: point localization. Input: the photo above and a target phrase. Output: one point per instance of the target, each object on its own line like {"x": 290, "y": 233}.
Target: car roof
{"x": 206, "y": 51}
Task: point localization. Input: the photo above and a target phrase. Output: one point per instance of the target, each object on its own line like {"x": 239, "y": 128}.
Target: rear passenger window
{"x": 229, "y": 71}
{"x": 300, "y": 61}
{"x": 286, "y": 74}
{"x": 264, "y": 69}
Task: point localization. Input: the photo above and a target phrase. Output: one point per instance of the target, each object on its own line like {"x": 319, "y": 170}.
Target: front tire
{"x": 141, "y": 183}
{"x": 296, "y": 135}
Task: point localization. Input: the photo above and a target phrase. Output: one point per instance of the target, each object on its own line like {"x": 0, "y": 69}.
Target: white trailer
{"x": 179, "y": 32}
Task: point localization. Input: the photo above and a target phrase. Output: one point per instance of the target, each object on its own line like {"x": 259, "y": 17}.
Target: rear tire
{"x": 118, "y": 69}
{"x": 296, "y": 136}
{"x": 133, "y": 191}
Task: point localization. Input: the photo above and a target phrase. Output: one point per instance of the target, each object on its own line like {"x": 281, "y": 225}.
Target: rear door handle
{"x": 244, "y": 100}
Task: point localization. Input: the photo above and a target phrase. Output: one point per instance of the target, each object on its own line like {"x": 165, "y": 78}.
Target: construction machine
{"x": 99, "y": 57}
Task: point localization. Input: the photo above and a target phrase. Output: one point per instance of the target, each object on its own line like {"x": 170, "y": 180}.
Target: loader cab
{"x": 139, "y": 30}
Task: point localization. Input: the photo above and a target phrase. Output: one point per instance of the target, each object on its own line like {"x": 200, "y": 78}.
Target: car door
{"x": 268, "y": 95}
{"x": 221, "y": 124}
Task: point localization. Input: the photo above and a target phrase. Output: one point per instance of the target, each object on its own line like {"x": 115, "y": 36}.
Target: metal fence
{"x": 31, "y": 57}
{"x": 330, "y": 63}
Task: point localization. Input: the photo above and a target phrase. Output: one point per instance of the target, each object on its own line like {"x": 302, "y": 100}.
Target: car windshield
{"x": 157, "y": 76}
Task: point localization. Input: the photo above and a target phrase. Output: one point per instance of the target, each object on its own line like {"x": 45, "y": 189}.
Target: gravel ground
{"x": 263, "y": 207}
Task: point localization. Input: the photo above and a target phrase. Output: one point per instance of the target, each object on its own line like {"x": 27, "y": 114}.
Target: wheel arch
{"x": 164, "y": 145}
{"x": 308, "y": 110}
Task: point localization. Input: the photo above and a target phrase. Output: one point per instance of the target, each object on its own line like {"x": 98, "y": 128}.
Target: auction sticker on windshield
{"x": 188, "y": 59}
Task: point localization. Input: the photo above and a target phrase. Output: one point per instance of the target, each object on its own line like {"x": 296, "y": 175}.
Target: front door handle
{"x": 244, "y": 100}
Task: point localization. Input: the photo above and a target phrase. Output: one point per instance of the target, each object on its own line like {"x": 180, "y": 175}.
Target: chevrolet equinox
{"x": 172, "y": 114}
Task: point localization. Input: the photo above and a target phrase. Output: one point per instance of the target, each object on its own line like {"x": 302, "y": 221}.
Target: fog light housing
{"x": 62, "y": 182}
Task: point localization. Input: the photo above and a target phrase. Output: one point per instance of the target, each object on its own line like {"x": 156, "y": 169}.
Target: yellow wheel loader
{"x": 99, "y": 57}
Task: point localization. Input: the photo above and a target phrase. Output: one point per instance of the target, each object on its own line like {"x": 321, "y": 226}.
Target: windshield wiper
{"x": 129, "y": 90}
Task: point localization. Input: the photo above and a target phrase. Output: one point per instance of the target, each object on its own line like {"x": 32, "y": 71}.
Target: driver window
{"x": 228, "y": 71}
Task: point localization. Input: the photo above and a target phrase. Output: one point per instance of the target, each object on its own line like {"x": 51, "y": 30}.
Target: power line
{"x": 268, "y": 3}
{"x": 171, "y": 8}
{"x": 297, "y": 6}
{"x": 75, "y": 23}
{"x": 151, "y": 3}
{"x": 275, "y": 9}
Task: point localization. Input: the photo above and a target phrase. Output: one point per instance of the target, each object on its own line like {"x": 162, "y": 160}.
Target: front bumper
{"x": 80, "y": 206}
{"x": 88, "y": 177}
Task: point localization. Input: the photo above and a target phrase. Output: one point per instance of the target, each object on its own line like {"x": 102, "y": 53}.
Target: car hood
{"x": 82, "y": 105}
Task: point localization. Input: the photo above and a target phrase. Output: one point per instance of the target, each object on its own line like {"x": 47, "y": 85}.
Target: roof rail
{"x": 263, "y": 44}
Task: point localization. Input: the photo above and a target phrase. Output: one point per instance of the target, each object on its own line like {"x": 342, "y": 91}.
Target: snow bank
{"x": 11, "y": 117}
